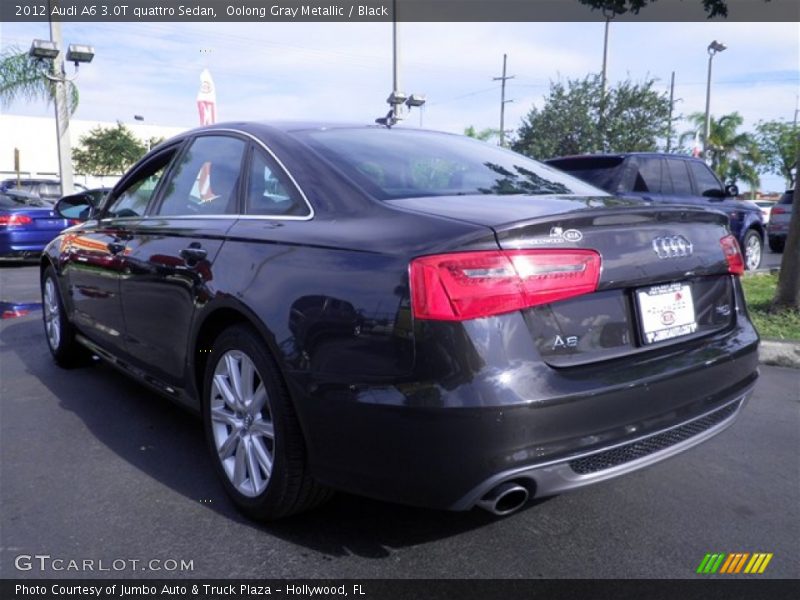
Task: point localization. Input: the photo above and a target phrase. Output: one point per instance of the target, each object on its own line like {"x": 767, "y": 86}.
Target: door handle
{"x": 193, "y": 253}
{"x": 115, "y": 247}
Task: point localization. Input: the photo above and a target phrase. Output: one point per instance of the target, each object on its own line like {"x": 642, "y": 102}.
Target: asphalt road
{"x": 95, "y": 467}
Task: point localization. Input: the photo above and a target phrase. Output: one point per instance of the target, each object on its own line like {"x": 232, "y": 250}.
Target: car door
{"x": 92, "y": 257}
{"x": 168, "y": 263}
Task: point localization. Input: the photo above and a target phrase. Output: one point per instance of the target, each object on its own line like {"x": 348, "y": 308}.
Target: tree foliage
{"x": 107, "y": 151}
{"x": 22, "y": 78}
{"x": 713, "y": 8}
{"x": 636, "y": 117}
{"x": 734, "y": 154}
{"x": 483, "y": 135}
{"x": 778, "y": 143}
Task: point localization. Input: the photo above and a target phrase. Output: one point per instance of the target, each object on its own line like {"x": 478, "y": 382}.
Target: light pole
{"x": 51, "y": 65}
{"x": 140, "y": 118}
{"x": 713, "y": 48}
{"x": 397, "y": 98}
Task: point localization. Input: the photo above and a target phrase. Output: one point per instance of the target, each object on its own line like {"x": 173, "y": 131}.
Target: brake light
{"x": 14, "y": 220}
{"x": 470, "y": 285}
{"x": 778, "y": 210}
{"x": 733, "y": 254}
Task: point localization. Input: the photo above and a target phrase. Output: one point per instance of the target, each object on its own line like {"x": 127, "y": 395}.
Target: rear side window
{"x": 681, "y": 184}
{"x": 704, "y": 178}
{"x": 787, "y": 198}
{"x": 205, "y": 178}
{"x": 601, "y": 171}
{"x": 269, "y": 192}
{"x": 650, "y": 175}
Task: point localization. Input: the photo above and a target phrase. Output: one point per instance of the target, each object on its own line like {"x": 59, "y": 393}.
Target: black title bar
{"x": 379, "y": 11}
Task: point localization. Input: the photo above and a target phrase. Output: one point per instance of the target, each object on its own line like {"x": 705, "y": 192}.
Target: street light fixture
{"x": 51, "y": 66}
{"x": 713, "y": 48}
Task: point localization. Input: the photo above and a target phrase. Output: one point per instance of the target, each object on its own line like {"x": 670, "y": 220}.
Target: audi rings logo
{"x": 672, "y": 246}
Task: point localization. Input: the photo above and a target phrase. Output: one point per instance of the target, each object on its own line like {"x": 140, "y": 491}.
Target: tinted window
{"x": 787, "y": 198}
{"x": 598, "y": 170}
{"x": 650, "y": 175}
{"x": 133, "y": 199}
{"x": 681, "y": 184}
{"x": 269, "y": 192}
{"x": 704, "y": 178}
{"x": 398, "y": 163}
{"x": 204, "y": 178}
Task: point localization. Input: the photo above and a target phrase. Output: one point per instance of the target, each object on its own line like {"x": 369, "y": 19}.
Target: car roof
{"x": 624, "y": 155}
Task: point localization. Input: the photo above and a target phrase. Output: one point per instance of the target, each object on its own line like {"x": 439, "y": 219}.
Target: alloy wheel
{"x": 52, "y": 314}
{"x": 241, "y": 424}
{"x": 752, "y": 253}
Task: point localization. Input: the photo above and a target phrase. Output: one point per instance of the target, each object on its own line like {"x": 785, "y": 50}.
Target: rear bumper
{"x": 580, "y": 470}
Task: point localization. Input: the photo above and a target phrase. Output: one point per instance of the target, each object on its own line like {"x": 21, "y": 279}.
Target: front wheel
{"x": 60, "y": 333}
{"x": 252, "y": 431}
{"x": 753, "y": 248}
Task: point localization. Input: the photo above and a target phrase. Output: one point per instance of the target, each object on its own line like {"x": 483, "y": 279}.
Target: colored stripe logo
{"x": 736, "y": 562}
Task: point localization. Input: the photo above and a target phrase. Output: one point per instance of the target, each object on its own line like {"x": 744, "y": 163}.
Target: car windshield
{"x": 597, "y": 170}
{"x": 398, "y": 163}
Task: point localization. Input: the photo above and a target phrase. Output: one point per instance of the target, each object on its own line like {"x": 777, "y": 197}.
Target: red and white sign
{"x": 207, "y": 99}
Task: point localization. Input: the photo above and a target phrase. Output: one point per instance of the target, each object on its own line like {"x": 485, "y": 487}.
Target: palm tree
{"x": 21, "y": 77}
{"x": 734, "y": 155}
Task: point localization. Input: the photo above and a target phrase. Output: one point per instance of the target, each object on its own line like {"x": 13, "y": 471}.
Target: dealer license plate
{"x": 666, "y": 312}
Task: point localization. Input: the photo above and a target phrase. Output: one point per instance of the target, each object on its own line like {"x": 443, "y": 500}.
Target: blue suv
{"x": 659, "y": 177}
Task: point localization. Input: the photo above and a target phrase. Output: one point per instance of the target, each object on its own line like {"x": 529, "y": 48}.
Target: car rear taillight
{"x": 733, "y": 254}
{"x": 469, "y": 285}
{"x": 778, "y": 210}
{"x": 14, "y": 220}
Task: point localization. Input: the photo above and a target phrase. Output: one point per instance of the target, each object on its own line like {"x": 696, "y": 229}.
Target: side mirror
{"x": 76, "y": 206}
{"x": 731, "y": 190}
{"x": 715, "y": 193}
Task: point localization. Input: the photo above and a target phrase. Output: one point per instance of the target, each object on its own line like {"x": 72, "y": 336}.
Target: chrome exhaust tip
{"x": 504, "y": 499}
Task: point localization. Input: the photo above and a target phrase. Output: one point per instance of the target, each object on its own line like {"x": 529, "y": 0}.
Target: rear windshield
{"x": 787, "y": 198}
{"x": 403, "y": 163}
{"x": 597, "y": 170}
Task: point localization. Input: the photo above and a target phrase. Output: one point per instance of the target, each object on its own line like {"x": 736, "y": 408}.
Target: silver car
{"x": 778, "y": 226}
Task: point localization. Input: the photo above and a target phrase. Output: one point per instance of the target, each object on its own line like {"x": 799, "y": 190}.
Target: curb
{"x": 779, "y": 354}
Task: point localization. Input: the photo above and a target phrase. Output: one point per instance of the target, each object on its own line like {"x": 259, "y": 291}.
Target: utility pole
{"x": 62, "y": 112}
{"x": 669, "y": 121}
{"x": 503, "y": 101}
{"x": 396, "y": 108}
{"x": 608, "y": 14}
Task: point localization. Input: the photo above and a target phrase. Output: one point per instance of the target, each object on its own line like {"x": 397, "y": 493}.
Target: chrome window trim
{"x": 286, "y": 172}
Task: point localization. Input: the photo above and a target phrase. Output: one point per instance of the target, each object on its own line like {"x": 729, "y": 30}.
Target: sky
{"x": 343, "y": 71}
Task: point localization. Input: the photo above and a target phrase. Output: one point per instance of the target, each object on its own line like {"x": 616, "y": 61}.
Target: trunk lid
{"x": 664, "y": 278}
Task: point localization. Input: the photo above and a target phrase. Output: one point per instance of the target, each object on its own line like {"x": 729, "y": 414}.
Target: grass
{"x": 759, "y": 291}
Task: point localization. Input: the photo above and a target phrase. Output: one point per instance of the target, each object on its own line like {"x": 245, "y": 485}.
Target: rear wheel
{"x": 252, "y": 431}
{"x": 753, "y": 249}
{"x": 59, "y": 332}
{"x": 776, "y": 244}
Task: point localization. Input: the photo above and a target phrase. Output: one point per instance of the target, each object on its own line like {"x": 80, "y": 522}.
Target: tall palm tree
{"x": 734, "y": 155}
{"x": 21, "y": 78}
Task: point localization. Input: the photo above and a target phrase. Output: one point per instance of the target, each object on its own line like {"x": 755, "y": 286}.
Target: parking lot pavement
{"x": 770, "y": 259}
{"x": 93, "y": 466}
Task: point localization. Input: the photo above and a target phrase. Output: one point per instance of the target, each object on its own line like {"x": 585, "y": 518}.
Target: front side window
{"x": 132, "y": 201}
{"x": 204, "y": 180}
{"x": 269, "y": 191}
{"x": 705, "y": 179}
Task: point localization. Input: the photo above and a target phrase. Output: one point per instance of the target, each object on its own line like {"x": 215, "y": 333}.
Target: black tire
{"x": 288, "y": 487}
{"x": 752, "y": 249}
{"x": 58, "y": 331}
{"x": 776, "y": 244}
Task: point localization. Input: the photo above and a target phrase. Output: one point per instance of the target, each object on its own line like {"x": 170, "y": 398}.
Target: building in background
{"x": 35, "y": 138}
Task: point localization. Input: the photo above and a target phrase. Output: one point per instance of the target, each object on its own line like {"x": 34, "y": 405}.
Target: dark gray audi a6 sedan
{"x": 404, "y": 314}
